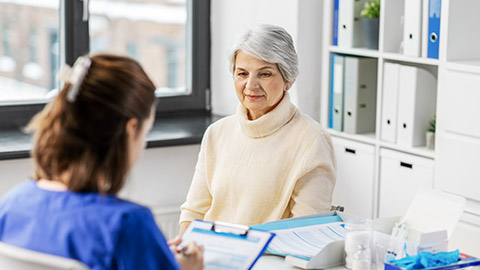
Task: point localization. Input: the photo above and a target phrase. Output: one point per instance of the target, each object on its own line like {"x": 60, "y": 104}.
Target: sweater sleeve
{"x": 313, "y": 190}
{"x": 199, "y": 198}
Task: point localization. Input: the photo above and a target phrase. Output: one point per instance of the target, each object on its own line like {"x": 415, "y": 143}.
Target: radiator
{"x": 167, "y": 219}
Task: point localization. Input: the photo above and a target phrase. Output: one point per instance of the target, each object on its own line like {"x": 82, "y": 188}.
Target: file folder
{"x": 329, "y": 256}
{"x": 416, "y": 105}
{"x": 391, "y": 72}
{"x": 337, "y": 103}
{"x": 227, "y": 245}
{"x": 412, "y": 31}
{"x": 331, "y": 106}
{"x": 434, "y": 12}
{"x": 360, "y": 90}
{"x": 424, "y": 38}
{"x": 335, "y": 22}
{"x": 350, "y": 29}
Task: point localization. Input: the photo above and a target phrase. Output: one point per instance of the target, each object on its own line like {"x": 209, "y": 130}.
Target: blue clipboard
{"x": 227, "y": 245}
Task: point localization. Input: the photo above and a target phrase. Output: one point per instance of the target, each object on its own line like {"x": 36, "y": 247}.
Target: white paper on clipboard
{"x": 227, "y": 246}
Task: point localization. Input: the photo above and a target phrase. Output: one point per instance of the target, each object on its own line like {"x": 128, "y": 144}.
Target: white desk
{"x": 267, "y": 262}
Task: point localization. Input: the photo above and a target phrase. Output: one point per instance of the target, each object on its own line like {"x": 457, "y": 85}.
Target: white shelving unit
{"x": 355, "y": 51}
{"x": 456, "y": 157}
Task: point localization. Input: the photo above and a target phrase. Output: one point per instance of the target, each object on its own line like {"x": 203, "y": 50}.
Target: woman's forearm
{"x": 183, "y": 227}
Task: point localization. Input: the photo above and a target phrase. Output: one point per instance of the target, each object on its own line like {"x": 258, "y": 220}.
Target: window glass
{"x": 152, "y": 31}
{"x": 29, "y": 50}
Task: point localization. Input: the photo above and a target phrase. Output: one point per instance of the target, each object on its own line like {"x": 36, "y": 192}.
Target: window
{"x": 5, "y": 40}
{"x": 54, "y": 54}
{"x": 170, "y": 38}
{"x": 25, "y": 62}
{"x": 32, "y": 46}
{"x": 153, "y": 32}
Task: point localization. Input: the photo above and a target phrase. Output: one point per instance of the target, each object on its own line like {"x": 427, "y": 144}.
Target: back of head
{"x": 85, "y": 139}
{"x": 269, "y": 43}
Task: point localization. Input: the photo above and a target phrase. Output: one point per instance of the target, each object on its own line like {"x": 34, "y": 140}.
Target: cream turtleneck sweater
{"x": 278, "y": 166}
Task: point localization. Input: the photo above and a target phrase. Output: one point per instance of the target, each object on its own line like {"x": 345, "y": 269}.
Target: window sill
{"x": 168, "y": 130}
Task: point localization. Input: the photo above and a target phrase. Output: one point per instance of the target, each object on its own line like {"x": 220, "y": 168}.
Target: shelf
{"x": 419, "y": 150}
{"x": 454, "y": 163}
{"x": 471, "y": 66}
{"x": 355, "y": 51}
{"x": 364, "y": 138}
{"x": 370, "y": 138}
{"x": 472, "y": 207}
{"x": 387, "y": 56}
{"x": 410, "y": 59}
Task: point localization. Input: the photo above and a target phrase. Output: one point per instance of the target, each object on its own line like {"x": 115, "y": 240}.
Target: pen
{"x": 183, "y": 250}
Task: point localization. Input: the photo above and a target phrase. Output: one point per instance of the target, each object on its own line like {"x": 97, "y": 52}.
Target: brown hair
{"x": 86, "y": 139}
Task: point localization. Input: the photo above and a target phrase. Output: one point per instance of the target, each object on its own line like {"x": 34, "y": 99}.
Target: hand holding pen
{"x": 189, "y": 256}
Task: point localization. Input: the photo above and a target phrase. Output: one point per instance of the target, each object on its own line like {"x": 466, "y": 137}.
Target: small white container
{"x": 359, "y": 232}
{"x": 362, "y": 259}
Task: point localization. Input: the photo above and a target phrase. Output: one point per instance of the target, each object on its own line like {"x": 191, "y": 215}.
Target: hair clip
{"x": 75, "y": 75}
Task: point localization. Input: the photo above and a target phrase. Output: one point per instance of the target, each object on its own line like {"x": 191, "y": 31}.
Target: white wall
{"x": 160, "y": 180}
{"x": 14, "y": 172}
{"x": 161, "y": 177}
{"x": 228, "y": 20}
{"x": 309, "y": 48}
{"x": 301, "y": 18}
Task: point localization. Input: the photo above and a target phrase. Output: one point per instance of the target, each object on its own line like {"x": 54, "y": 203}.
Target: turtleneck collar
{"x": 268, "y": 123}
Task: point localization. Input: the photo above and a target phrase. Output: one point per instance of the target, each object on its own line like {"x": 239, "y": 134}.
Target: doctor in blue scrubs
{"x": 85, "y": 143}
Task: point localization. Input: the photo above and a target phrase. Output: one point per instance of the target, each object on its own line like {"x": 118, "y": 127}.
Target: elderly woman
{"x": 269, "y": 161}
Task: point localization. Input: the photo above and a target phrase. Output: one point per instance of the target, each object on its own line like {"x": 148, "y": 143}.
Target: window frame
{"x": 75, "y": 41}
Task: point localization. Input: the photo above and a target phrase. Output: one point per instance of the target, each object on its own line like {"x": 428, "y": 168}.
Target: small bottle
{"x": 359, "y": 232}
{"x": 362, "y": 258}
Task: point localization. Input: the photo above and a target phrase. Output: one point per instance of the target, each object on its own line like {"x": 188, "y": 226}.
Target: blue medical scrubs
{"x": 102, "y": 231}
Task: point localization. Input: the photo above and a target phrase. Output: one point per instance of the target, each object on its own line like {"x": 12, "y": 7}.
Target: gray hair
{"x": 269, "y": 43}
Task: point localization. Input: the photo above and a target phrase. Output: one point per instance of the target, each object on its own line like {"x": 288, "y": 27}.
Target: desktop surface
{"x": 269, "y": 261}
